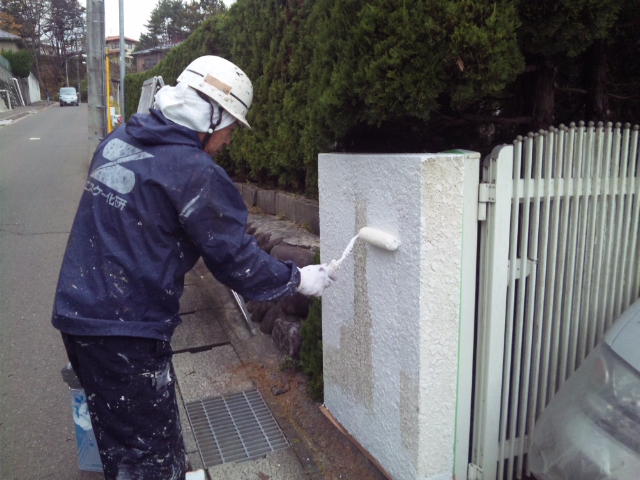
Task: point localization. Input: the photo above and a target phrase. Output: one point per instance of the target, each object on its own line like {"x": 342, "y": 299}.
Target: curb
{"x": 11, "y": 119}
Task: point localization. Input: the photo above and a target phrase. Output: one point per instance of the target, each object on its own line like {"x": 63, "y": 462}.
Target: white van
{"x": 68, "y": 96}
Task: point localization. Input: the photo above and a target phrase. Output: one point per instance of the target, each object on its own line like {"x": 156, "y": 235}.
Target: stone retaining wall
{"x": 284, "y": 240}
{"x": 284, "y": 205}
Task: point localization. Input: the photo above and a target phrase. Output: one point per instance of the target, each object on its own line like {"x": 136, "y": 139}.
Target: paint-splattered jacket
{"x": 154, "y": 202}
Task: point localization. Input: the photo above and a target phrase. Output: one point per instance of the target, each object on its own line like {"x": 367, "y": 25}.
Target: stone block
{"x": 249, "y": 194}
{"x": 210, "y": 373}
{"x": 300, "y": 256}
{"x": 269, "y": 319}
{"x": 296, "y": 304}
{"x": 290, "y": 232}
{"x": 286, "y": 336}
{"x": 197, "y": 330}
{"x": 262, "y": 237}
{"x": 258, "y": 310}
{"x": 267, "y": 247}
{"x": 299, "y": 209}
{"x": 266, "y": 201}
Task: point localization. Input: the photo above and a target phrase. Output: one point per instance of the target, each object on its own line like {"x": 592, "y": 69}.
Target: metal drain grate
{"x": 234, "y": 428}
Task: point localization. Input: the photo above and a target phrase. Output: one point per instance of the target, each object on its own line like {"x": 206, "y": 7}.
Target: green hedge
{"x": 311, "y": 352}
{"x": 205, "y": 41}
{"x": 20, "y": 61}
{"x": 326, "y": 71}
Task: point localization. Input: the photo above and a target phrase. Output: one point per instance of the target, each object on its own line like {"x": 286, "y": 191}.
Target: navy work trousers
{"x": 130, "y": 387}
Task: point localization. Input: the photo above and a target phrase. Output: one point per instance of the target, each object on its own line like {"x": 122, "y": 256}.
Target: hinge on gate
{"x": 474, "y": 472}
{"x": 486, "y": 194}
{"x": 519, "y": 274}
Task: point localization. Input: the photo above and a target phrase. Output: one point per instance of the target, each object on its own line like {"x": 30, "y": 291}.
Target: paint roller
{"x": 372, "y": 236}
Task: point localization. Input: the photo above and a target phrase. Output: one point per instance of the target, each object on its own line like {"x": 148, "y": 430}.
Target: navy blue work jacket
{"x": 153, "y": 203}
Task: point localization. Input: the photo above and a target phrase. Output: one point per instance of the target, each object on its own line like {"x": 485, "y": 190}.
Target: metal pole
{"x": 123, "y": 65}
{"x": 66, "y": 67}
{"x": 78, "y": 59}
{"x": 96, "y": 47}
{"x": 108, "y": 70}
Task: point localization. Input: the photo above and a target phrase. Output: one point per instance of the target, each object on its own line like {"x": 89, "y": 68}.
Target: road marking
{"x": 34, "y": 138}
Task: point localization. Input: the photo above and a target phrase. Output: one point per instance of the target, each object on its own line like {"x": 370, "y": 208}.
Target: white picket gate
{"x": 558, "y": 263}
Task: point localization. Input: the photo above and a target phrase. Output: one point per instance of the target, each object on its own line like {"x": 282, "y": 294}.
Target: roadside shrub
{"x": 20, "y": 61}
{"x": 342, "y": 74}
{"x": 311, "y": 351}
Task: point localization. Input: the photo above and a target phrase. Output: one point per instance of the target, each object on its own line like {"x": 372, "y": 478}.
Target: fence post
{"x": 494, "y": 265}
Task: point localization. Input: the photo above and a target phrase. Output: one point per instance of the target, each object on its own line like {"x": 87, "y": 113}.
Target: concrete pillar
{"x": 97, "y": 92}
{"x": 391, "y": 323}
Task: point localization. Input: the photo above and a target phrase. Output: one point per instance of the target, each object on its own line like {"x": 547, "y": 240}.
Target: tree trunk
{"x": 596, "y": 77}
{"x": 543, "y": 96}
{"x": 36, "y": 59}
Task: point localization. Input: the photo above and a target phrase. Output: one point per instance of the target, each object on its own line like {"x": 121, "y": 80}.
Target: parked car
{"x": 68, "y": 96}
{"x": 591, "y": 428}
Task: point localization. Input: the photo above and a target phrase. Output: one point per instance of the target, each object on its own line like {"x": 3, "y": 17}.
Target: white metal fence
{"x": 558, "y": 263}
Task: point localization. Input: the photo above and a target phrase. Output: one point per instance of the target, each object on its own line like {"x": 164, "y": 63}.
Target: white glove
{"x": 315, "y": 278}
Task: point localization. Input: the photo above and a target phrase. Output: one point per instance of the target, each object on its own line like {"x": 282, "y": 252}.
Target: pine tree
{"x": 552, "y": 34}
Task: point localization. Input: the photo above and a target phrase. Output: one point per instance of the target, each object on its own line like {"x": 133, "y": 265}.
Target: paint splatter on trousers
{"x": 130, "y": 387}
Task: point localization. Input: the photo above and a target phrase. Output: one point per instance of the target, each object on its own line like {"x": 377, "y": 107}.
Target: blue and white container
{"x": 88, "y": 453}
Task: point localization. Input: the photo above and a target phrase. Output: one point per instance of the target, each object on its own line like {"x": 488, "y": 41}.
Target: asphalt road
{"x": 43, "y": 167}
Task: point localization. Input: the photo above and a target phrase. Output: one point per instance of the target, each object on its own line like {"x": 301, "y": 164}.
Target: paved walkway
{"x": 208, "y": 349}
{"x": 216, "y": 354}
{"x": 10, "y": 116}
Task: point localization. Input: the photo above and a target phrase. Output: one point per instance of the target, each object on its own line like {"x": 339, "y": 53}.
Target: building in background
{"x": 113, "y": 45}
{"x": 147, "y": 59}
{"x": 16, "y": 89}
{"x": 9, "y": 41}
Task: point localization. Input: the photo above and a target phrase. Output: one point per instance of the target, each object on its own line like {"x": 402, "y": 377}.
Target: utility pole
{"x": 123, "y": 59}
{"x": 97, "y": 98}
{"x": 78, "y": 60}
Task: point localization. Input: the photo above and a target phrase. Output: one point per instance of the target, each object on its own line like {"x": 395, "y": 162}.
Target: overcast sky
{"x": 136, "y": 15}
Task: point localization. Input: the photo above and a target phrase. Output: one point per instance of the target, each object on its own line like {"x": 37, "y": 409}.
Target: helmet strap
{"x": 213, "y": 126}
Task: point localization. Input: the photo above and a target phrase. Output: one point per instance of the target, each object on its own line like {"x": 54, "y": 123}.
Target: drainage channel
{"x": 234, "y": 428}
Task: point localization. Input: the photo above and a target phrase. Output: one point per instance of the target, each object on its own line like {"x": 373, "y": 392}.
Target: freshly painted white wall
{"x": 390, "y": 323}
{"x": 34, "y": 89}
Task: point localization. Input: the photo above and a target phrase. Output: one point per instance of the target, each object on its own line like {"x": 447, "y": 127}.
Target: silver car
{"x": 591, "y": 429}
{"x": 68, "y": 96}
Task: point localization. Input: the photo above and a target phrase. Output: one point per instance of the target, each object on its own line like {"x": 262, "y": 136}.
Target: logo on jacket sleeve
{"x": 120, "y": 179}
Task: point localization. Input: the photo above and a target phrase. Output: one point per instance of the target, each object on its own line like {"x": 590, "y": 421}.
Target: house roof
{"x": 8, "y": 36}
{"x": 117, "y": 37}
{"x": 161, "y": 48}
{"x": 113, "y": 51}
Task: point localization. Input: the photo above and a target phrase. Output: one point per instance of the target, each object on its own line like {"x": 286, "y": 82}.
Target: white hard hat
{"x": 223, "y": 82}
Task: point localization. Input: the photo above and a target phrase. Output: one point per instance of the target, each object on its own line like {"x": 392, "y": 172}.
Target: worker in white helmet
{"x": 153, "y": 204}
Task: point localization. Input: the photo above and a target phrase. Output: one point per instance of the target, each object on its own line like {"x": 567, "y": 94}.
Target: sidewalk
{"x": 10, "y": 116}
{"x": 215, "y": 354}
